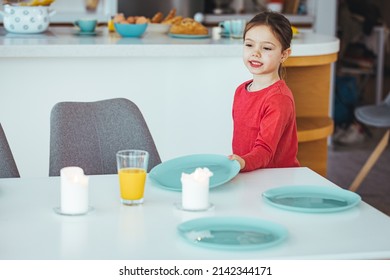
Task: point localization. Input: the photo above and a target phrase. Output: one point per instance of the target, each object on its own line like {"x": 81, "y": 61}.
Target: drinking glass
{"x": 132, "y": 169}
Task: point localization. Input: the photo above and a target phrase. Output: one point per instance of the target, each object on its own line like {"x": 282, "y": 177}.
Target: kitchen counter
{"x": 64, "y": 42}
{"x": 183, "y": 87}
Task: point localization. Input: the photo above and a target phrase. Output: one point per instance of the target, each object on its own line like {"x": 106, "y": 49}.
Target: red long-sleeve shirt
{"x": 265, "y": 130}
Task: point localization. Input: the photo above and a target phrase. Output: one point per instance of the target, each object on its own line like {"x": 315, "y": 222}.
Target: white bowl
{"x": 26, "y": 19}
{"x": 158, "y": 28}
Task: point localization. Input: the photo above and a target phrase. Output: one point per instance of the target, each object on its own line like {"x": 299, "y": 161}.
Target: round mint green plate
{"x": 167, "y": 174}
{"x": 188, "y": 36}
{"x": 311, "y": 199}
{"x": 232, "y": 233}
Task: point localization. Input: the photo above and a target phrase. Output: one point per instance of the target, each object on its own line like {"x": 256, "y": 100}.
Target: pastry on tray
{"x": 157, "y": 18}
{"x": 169, "y": 19}
{"x": 171, "y": 15}
{"x": 188, "y": 26}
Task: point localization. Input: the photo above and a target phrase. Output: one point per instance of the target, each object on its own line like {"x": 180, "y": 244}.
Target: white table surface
{"x": 29, "y": 228}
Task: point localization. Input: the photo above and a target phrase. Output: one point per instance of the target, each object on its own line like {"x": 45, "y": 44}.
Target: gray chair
{"x": 377, "y": 116}
{"x": 88, "y": 135}
{"x": 8, "y": 168}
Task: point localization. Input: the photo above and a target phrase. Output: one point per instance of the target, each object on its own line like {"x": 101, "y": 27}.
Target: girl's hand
{"x": 239, "y": 159}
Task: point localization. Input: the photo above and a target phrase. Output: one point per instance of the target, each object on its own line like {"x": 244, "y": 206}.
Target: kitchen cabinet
{"x": 320, "y": 16}
{"x": 70, "y": 10}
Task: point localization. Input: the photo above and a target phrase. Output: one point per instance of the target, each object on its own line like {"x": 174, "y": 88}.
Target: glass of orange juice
{"x": 132, "y": 169}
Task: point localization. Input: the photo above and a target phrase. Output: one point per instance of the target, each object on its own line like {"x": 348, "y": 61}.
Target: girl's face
{"x": 263, "y": 52}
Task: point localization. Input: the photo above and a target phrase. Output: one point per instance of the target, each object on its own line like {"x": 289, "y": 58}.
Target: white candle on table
{"x": 74, "y": 190}
{"x": 195, "y": 189}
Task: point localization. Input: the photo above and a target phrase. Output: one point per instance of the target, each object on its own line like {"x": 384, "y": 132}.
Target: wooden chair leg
{"x": 370, "y": 162}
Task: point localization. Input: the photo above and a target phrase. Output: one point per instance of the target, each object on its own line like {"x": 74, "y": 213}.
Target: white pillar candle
{"x": 74, "y": 190}
{"x": 195, "y": 189}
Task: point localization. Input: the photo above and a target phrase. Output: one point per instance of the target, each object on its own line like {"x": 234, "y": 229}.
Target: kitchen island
{"x": 183, "y": 87}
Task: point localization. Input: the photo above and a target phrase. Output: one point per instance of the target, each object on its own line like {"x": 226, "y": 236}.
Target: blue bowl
{"x": 130, "y": 30}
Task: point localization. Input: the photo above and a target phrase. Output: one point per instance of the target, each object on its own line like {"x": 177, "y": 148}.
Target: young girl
{"x": 265, "y": 132}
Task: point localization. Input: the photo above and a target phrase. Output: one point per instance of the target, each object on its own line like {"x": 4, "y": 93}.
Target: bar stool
{"x": 377, "y": 116}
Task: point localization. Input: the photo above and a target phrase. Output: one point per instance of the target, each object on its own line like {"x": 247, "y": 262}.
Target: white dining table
{"x": 30, "y": 229}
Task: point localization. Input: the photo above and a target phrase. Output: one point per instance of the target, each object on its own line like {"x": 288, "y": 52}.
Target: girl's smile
{"x": 255, "y": 64}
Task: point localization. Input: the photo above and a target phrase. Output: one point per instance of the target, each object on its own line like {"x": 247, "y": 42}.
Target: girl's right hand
{"x": 239, "y": 159}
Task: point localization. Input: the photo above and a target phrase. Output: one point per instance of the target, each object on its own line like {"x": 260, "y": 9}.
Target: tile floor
{"x": 345, "y": 161}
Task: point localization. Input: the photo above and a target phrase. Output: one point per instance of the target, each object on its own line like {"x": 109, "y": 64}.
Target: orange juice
{"x": 132, "y": 183}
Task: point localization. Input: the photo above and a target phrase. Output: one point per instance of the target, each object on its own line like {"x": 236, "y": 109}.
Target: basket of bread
{"x": 161, "y": 24}
{"x": 132, "y": 26}
{"x": 175, "y": 25}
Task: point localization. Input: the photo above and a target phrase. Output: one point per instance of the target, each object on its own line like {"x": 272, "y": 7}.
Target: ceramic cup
{"x": 86, "y": 25}
{"x": 225, "y": 27}
{"x": 237, "y": 28}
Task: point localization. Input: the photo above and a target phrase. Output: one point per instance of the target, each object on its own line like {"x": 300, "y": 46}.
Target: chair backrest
{"x": 89, "y": 134}
{"x": 8, "y": 168}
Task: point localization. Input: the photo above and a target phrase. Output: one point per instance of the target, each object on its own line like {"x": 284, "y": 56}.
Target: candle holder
{"x": 179, "y": 206}
{"x": 74, "y": 192}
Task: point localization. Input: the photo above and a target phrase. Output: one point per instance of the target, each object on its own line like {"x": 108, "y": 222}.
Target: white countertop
{"x": 65, "y": 42}
{"x": 31, "y": 230}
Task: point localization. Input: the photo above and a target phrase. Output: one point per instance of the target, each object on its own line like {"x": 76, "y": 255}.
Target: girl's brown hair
{"x": 279, "y": 25}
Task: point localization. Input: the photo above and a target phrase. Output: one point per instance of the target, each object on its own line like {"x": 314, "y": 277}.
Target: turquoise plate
{"x": 167, "y": 174}
{"x": 314, "y": 199}
{"x": 187, "y": 36}
{"x": 232, "y": 233}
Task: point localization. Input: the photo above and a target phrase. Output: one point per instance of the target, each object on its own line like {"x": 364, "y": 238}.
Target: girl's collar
{"x": 250, "y": 86}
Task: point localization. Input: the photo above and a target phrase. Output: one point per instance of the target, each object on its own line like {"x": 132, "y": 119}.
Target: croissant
{"x": 157, "y": 18}
{"x": 171, "y": 15}
{"x": 173, "y": 20}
